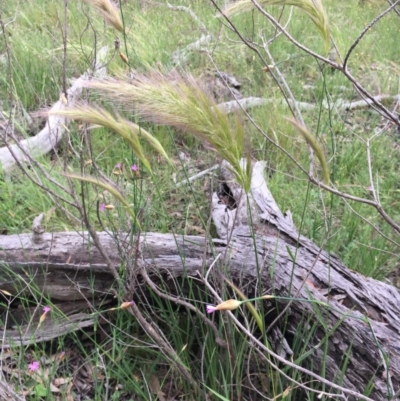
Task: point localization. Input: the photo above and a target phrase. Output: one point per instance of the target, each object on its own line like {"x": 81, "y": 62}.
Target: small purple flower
{"x": 46, "y": 309}
{"x": 102, "y": 207}
{"x": 34, "y": 366}
{"x": 119, "y": 165}
{"x": 210, "y": 308}
{"x": 135, "y": 168}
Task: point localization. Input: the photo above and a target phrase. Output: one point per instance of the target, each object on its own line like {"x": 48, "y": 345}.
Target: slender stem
{"x": 65, "y": 44}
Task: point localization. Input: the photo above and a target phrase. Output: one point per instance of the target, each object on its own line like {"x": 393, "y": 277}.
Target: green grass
{"x": 154, "y": 32}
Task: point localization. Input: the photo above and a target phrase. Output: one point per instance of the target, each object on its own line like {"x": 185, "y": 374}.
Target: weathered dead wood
{"x": 7, "y": 393}
{"x": 338, "y": 104}
{"x": 50, "y": 329}
{"x": 63, "y": 265}
{"x": 321, "y": 276}
{"x": 181, "y": 56}
{"x": 49, "y": 137}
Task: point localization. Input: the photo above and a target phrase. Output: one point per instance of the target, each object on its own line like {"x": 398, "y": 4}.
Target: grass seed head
{"x": 109, "y": 11}
{"x": 181, "y": 102}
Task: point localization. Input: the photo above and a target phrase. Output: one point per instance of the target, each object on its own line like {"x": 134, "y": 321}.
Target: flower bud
{"x": 230, "y": 304}
{"x": 125, "y": 305}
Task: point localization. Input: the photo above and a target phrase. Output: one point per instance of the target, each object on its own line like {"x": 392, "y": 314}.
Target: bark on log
{"x": 64, "y": 264}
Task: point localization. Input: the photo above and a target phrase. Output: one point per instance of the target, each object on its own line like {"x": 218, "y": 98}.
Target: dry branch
{"x": 338, "y": 104}
{"x": 181, "y": 56}
{"x": 49, "y": 137}
{"x": 7, "y": 393}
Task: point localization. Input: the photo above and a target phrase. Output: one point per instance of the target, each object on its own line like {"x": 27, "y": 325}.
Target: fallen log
{"x": 50, "y": 136}
{"x": 268, "y": 248}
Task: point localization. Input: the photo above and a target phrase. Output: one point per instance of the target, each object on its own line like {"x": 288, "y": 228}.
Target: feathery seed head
{"x": 180, "y": 101}
{"x": 109, "y": 11}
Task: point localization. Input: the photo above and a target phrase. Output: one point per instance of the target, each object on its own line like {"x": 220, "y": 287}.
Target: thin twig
{"x": 290, "y": 95}
{"x": 398, "y": 13}
{"x": 196, "y": 176}
{"x": 340, "y": 104}
{"x": 382, "y": 109}
{"x": 365, "y": 30}
{"x": 187, "y": 305}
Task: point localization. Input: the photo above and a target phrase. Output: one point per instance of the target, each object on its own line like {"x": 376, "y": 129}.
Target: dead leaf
{"x": 155, "y": 387}
{"x": 54, "y": 389}
{"x": 59, "y": 381}
{"x": 69, "y": 396}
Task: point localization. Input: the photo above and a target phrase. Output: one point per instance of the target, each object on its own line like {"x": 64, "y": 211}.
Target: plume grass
{"x": 180, "y": 102}
{"x": 109, "y": 12}
{"x": 316, "y": 147}
{"x": 313, "y": 8}
{"x": 127, "y": 130}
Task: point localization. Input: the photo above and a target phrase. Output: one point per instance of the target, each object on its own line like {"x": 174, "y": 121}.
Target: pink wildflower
{"x": 46, "y": 310}
{"x": 34, "y": 366}
{"x": 119, "y": 165}
{"x": 210, "y": 308}
{"x": 102, "y": 207}
{"x": 135, "y": 168}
